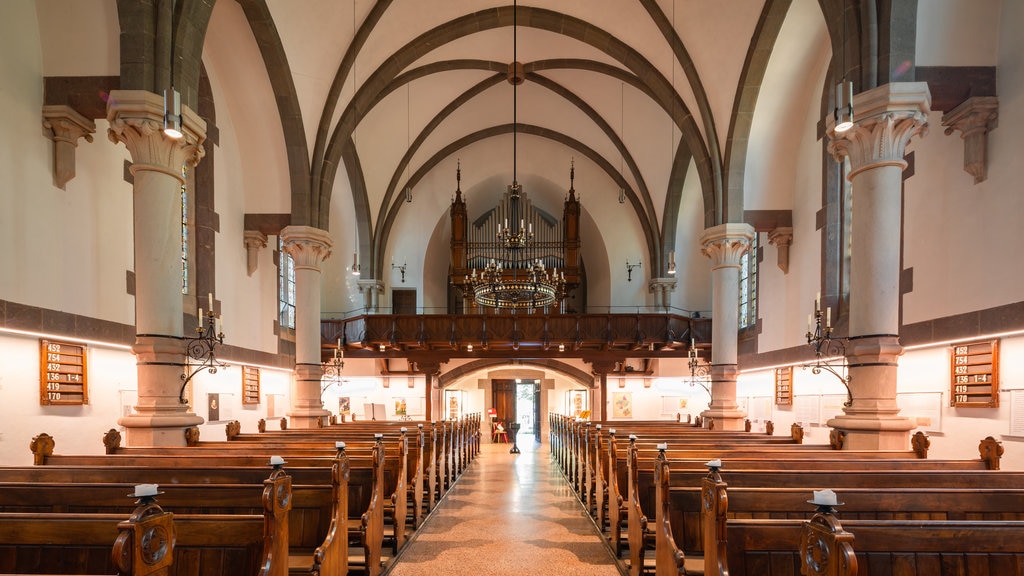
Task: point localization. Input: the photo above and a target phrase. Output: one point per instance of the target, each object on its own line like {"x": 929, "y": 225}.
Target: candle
{"x": 218, "y": 326}
{"x": 825, "y": 497}
{"x": 810, "y": 323}
{"x": 209, "y": 298}
{"x": 828, "y": 317}
{"x": 692, "y": 343}
{"x": 200, "y": 315}
{"x": 817, "y": 302}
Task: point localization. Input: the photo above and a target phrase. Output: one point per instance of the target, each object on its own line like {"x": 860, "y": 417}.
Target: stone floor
{"x": 508, "y": 515}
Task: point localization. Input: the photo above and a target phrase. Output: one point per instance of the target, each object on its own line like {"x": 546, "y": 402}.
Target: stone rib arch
{"x": 568, "y": 370}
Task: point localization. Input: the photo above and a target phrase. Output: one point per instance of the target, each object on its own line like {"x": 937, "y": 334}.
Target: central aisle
{"x": 508, "y": 515}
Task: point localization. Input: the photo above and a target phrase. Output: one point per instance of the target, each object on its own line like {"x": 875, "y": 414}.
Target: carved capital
{"x": 885, "y": 119}
{"x": 665, "y": 285}
{"x": 307, "y": 246}
{"x": 136, "y": 118}
{"x": 782, "y": 238}
{"x": 726, "y": 244}
{"x": 974, "y": 118}
{"x": 63, "y": 125}
{"x": 254, "y": 240}
{"x": 369, "y": 285}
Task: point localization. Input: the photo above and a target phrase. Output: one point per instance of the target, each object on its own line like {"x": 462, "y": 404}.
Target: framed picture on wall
{"x": 577, "y": 401}
{"x": 622, "y": 404}
{"x": 453, "y": 402}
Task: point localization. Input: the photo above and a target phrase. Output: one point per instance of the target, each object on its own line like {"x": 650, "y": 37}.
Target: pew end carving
{"x": 836, "y": 438}
{"x": 825, "y": 548}
{"x": 232, "y": 429}
{"x": 111, "y": 441}
{"x": 797, "y": 433}
{"x": 991, "y": 451}
{"x": 192, "y": 436}
{"x": 145, "y": 543}
{"x": 42, "y": 447}
{"x": 920, "y": 443}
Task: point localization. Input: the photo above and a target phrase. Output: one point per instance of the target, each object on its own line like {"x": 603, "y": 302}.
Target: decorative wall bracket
{"x": 63, "y": 125}
{"x": 254, "y": 241}
{"x": 782, "y": 237}
{"x": 974, "y": 118}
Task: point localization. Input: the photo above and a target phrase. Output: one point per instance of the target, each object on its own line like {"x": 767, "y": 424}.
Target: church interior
{"x": 781, "y": 216}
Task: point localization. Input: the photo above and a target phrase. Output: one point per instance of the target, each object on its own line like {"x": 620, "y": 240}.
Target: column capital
{"x": 308, "y": 246}
{"x": 136, "y": 118}
{"x": 254, "y": 240}
{"x": 369, "y": 284}
{"x": 885, "y": 119}
{"x": 782, "y": 237}
{"x": 726, "y": 244}
{"x": 666, "y": 284}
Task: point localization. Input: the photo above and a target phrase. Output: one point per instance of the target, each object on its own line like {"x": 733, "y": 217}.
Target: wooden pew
{"x": 152, "y": 541}
{"x": 759, "y": 546}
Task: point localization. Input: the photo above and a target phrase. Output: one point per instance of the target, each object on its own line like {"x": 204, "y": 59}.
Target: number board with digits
{"x": 250, "y": 385}
{"x": 62, "y": 374}
{"x": 974, "y": 368}
{"x": 784, "y": 386}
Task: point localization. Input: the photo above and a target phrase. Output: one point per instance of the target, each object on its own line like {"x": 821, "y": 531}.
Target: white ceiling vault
{"x": 375, "y": 96}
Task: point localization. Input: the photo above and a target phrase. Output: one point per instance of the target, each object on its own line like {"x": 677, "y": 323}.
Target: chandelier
{"x": 515, "y": 281}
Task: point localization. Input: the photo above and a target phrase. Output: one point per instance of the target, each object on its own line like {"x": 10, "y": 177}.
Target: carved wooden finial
{"x": 769, "y": 428}
{"x": 284, "y": 423}
{"x": 192, "y": 436}
{"x": 41, "y": 447}
{"x": 261, "y": 425}
{"x": 111, "y": 441}
{"x": 747, "y": 425}
{"x": 836, "y": 438}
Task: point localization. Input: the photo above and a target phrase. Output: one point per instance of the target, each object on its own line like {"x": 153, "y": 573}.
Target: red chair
{"x": 498, "y": 433}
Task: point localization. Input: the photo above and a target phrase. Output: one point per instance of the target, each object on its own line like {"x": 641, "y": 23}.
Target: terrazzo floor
{"x": 509, "y": 514}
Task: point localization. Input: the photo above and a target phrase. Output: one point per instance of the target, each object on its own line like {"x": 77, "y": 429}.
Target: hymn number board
{"x": 62, "y": 374}
{"x": 975, "y": 375}
{"x": 250, "y": 385}
{"x": 784, "y": 386}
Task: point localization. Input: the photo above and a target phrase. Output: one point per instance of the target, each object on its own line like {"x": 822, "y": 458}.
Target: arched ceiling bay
{"x": 389, "y": 89}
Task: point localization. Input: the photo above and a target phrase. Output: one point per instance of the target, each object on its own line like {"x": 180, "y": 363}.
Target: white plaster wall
{"x": 960, "y": 32}
{"x": 75, "y": 429}
{"x": 957, "y": 233}
{"x": 68, "y": 249}
{"x": 693, "y": 269}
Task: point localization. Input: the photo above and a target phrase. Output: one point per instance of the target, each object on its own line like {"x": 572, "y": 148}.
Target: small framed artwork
{"x": 622, "y": 404}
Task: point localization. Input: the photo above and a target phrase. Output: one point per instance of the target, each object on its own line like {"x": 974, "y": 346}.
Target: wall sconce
{"x": 172, "y": 114}
{"x": 622, "y": 195}
{"x": 408, "y": 194}
{"x": 332, "y": 369}
{"x": 629, "y": 269}
{"x": 469, "y": 347}
{"x": 672, "y": 263}
{"x": 209, "y": 333}
{"x": 561, "y": 347}
{"x": 826, "y": 347}
{"x": 382, "y": 348}
{"x": 355, "y": 264}
{"x": 402, "y": 267}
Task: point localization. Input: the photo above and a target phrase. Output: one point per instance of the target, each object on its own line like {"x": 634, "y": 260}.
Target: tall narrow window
{"x": 286, "y": 282}
{"x": 184, "y": 228}
{"x": 846, "y": 191}
{"x": 748, "y": 284}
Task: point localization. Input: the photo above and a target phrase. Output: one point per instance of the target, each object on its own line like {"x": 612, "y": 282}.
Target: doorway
{"x": 528, "y": 409}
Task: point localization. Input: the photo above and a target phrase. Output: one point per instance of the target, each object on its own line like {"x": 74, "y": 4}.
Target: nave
{"x": 508, "y": 514}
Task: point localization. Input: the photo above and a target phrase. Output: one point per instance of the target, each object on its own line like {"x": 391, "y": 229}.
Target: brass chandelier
{"x": 530, "y": 285}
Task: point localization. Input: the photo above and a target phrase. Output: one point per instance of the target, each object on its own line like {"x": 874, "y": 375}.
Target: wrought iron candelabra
{"x": 698, "y": 372}
{"x": 332, "y": 369}
{"x": 826, "y": 348}
{"x": 201, "y": 349}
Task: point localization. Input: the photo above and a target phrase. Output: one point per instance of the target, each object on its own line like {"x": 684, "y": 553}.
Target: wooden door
{"x": 403, "y": 301}
{"x": 503, "y": 399}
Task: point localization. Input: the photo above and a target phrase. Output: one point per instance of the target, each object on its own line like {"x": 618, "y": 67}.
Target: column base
{"x": 308, "y": 419}
{"x": 865, "y": 433}
{"x": 158, "y": 429}
{"x": 724, "y": 418}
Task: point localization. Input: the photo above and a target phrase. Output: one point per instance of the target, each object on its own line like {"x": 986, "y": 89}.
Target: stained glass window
{"x": 748, "y": 285}
{"x": 286, "y": 283}
{"x": 184, "y": 228}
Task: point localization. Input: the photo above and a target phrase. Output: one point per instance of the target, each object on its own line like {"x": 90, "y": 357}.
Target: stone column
{"x": 662, "y": 289}
{"x": 430, "y": 371}
{"x": 136, "y": 119}
{"x": 725, "y": 245}
{"x": 601, "y": 368}
{"x": 371, "y": 287}
{"x": 887, "y": 118}
{"x": 308, "y": 247}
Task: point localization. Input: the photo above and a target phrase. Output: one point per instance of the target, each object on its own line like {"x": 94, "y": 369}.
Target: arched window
{"x": 748, "y": 284}
{"x": 286, "y": 286}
